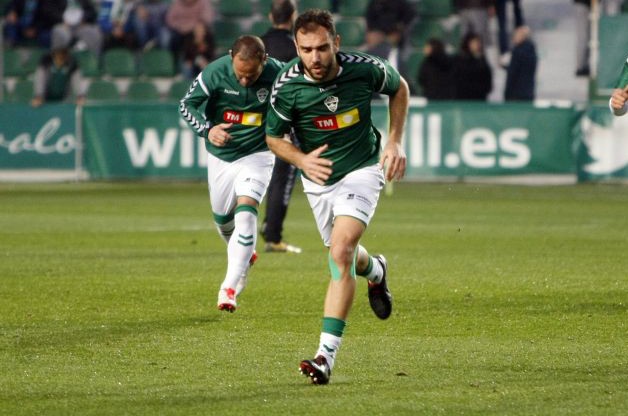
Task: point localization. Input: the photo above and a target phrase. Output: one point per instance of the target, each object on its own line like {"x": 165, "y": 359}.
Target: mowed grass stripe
{"x": 508, "y": 300}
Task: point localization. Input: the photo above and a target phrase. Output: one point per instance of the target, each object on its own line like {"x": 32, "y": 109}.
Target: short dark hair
{"x": 310, "y": 19}
{"x": 281, "y": 11}
{"x": 249, "y": 47}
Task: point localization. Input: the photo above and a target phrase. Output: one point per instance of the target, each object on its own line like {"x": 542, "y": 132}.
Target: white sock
{"x": 376, "y": 272}
{"x": 328, "y": 347}
{"x": 240, "y": 247}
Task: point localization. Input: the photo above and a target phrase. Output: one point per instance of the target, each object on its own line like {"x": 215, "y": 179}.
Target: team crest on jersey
{"x": 331, "y": 103}
{"x": 262, "y": 93}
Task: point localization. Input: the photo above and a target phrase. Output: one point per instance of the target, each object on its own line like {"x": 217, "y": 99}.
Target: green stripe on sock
{"x": 334, "y": 326}
{"x": 223, "y": 219}
{"x": 369, "y": 268}
{"x": 246, "y": 208}
{"x": 245, "y": 240}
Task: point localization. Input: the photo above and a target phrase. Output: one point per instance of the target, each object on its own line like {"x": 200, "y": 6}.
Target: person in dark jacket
{"x": 473, "y": 77}
{"x": 279, "y": 44}
{"x": 436, "y": 72}
{"x": 521, "y": 74}
{"x": 32, "y": 20}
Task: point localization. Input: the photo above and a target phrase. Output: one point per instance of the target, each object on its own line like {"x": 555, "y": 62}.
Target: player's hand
{"x": 393, "y": 161}
{"x": 315, "y": 167}
{"x": 619, "y": 98}
{"x": 218, "y": 134}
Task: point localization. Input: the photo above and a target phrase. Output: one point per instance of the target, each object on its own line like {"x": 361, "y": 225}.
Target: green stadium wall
{"x": 444, "y": 141}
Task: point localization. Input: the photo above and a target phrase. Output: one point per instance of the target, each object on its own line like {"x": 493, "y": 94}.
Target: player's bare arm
{"x": 316, "y": 168}
{"x": 218, "y": 134}
{"x": 393, "y": 158}
{"x": 619, "y": 98}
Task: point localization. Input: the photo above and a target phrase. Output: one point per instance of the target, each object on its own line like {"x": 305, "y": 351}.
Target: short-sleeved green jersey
{"x": 335, "y": 112}
{"x": 229, "y": 102}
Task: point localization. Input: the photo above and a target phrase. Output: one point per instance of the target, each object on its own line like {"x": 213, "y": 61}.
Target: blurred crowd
{"x": 438, "y": 45}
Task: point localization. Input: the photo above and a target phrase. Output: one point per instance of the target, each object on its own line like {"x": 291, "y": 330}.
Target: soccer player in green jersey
{"x": 325, "y": 95}
{"x": 619, "y": 100}
{"x": 235, "y": 90}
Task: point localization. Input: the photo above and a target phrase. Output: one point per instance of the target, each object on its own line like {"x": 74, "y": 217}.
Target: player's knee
{"x": 342, "y": 260}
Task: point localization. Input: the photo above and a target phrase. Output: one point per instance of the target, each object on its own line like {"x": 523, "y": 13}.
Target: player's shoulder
{"x": 290, "y": 73}
{"x": 217, "y": 69}
{"x": 274, "y": 65}
{"x": 360, "y": 60}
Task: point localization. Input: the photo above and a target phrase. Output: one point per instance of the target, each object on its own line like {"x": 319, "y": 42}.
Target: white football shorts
{"x": 355, "y": 195}
{"x": 248, "y": 176}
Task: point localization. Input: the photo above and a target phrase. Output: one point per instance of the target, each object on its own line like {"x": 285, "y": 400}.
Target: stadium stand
{"x": 260, "y": 27}
{"x": 303, "y": 5}
{"x": 434, "y": 8}
{"x": 22, "y": 91}
{"x": 32, "y": 59}
{"x": 157, "y": 63}
{"x": 225, "y": 32}
{"x": 142, "y": 91}
{"x": 353, "y": 8}
{"x": 235, "y": 8}
{"x": 13, "y": 63}
{"x": 89, "y": 64}
{"x": 351, "y": 31}
{"x": 102, "y": 90}
{"x": 119, "y": 62}
{"x": 425, "y": 29}
{"x": 177, "y": 90}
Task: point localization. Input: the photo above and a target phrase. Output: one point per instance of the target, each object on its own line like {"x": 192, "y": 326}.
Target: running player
{"x": 325, "y": 95}
{"x": 235, "y": 90}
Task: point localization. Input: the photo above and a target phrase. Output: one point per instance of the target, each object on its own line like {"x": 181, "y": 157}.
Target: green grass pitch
{"x": 509, "y": 300}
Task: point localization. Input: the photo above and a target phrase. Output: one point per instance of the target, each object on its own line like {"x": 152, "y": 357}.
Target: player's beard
{"x": 319, "y": 71}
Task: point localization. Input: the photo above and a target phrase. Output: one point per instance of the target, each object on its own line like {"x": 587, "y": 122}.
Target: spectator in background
{"x": 619, "y": 99}
{"x": 279, "y": 44}
{"x": 473, "y": 77}
{"x": 474, "y": 17}
{"x": 198, "y": 51}
{"x": 149, "y": 24}
{"x": 32, "y": 20}
{"x": 79, "y": 28}
{"x": 436, "y": 72}
{"x": 582, "y": 9}
{"x": 115, "y": 18}
{"x": 57, "y": 78}
{"x": 521, "y": 74}
{"x": 387, "y": 25}
{"x": 502, "y": 26}
{"x": 390, "y": 17}
{"x": 182, "y": 17}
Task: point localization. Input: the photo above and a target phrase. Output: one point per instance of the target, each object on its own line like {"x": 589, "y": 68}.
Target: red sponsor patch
{"x": 326, "y": 123}
{"x": 232, "y": 116}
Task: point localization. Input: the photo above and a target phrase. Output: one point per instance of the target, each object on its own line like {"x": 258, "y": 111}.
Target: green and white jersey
{"x": 226, "y": 101}
{"x": 335, "y": 112}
